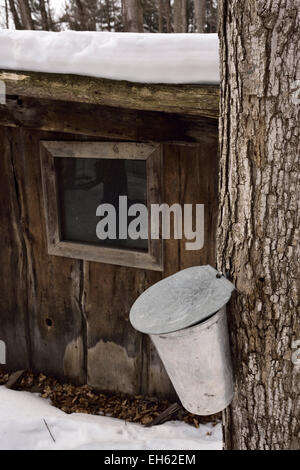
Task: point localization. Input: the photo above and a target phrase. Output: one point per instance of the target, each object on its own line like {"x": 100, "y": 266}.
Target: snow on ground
{"x": 22, "y": 427}
{"x": 136, "y": 57}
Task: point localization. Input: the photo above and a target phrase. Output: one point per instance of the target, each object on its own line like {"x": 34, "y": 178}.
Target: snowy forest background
{"x": 165, "y": 16}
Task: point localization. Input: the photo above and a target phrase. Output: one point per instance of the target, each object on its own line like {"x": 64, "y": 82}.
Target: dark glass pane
{"x": 85, "y": 183}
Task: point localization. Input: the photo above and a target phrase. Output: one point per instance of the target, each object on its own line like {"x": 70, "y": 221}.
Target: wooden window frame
{"x": 151, "y": 260}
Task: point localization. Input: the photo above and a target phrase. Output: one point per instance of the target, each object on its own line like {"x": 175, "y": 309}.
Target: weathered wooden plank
{"x": 158, "y": 382}
{"x": 112, "y": 123}
{"x": 14, "y": 319}
{"x": 198, "y": 185}
{"x": 194, "y": 100}
{"x": 119, "y": 150}
{"x": 115, "y": 349}
{"x": 172, "y": 195}
{"x": 54, "y": 284}
{"x": 155, "y": 183}
{"x": 114, "y": 256}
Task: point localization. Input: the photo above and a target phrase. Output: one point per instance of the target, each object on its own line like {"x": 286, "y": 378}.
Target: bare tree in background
{"x": 81, "y": 14}
{"x": 164, "y": 16}
{"x": 200, "y": 15}
{"x": 168, "y": 13}
{"x": 6, "y": 14}
{"x": 152, "y": 16}
{"x": 26, "y": 14}
{"x": 160, "y": 8}
{"x": 211, "y": 16}
{"x": 108, "y": 15}
{"x": 52, "y": 26}
{"x": 31, "y": 14}
{"x": 15, "y": 14}
{"x": 44, "y": 15}
{"x": 180, "y": 16}
{"x": 133, "y": 16}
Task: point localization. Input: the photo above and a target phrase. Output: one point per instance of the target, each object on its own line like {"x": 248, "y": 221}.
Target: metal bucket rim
{"x": 202, "y": 325}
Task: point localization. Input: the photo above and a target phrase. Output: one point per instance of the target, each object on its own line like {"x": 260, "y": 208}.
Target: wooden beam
{"x": 106, "y": 122}
{"x": 195, "y": 100}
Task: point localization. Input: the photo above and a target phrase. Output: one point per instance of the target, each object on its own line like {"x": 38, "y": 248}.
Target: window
{"x": 94, "y": 193}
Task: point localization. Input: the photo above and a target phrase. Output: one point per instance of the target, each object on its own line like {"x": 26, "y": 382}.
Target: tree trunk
{"x": 200, "y": 14}
{"x": 133, "y": 16}
{"x": 184, "y": 15}
{"x": 26, "y": 14}
{"x": 258, "y": 228}
{"x": 81, "y": 15}
{"x": 180, "y": 16}
{"x": 160, "y": 8}
{"x": 50, "y": 19}
{"x": 44, "y": 16}
{"x": 92, "y": 14}
{"x": 168, "y": 10}
{"x": 107, "y": 15}
{"x": 15, "y": 14}
{"x": 211, "y": 17}
{"x": 6, "y": 14}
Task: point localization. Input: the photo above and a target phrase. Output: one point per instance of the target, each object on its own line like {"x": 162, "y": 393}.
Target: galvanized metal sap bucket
{"x": 185, "y": 316}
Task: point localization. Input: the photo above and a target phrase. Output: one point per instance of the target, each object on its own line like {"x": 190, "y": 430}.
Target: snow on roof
{"x": 136, "y": 57}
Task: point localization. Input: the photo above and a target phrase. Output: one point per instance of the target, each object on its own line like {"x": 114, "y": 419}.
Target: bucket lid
{"x": 179, "y": 301}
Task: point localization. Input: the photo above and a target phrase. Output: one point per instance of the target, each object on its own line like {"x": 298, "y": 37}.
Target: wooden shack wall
{"x": 69, "y": 318}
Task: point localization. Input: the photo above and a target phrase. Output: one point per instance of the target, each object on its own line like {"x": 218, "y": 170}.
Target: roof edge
{"x": 194, "y": 100}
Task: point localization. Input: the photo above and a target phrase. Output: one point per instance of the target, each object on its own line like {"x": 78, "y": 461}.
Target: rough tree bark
{"x": 200, "y": 14}
{"x": 180, "y": 16}
{"x": 258, "y": 229}
{"x": 133, "y": 16}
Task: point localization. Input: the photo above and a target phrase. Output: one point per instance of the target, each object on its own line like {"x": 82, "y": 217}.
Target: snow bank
{"x": 22, "y": 427}
{"x": 145, "y": 58}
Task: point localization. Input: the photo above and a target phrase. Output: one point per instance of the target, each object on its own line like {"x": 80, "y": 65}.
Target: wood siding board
{"x": 112, "y": 123}
{"x": 14, "y": 320}
{"x": 115, "y": 350}
{"x": 200, "y": 187}
{"x": 53, "y": 283}
{"x": 155, "y": 183}
{"x": 50, "y": 199}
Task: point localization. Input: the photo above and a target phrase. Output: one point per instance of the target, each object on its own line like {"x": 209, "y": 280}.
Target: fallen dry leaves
{"x": 84, "y": 399}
